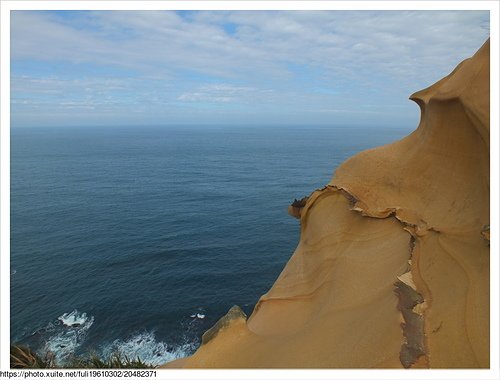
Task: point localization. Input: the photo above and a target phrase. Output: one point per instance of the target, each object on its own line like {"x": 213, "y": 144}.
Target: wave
{"x": 63, "y": 338}
{"x": 66, "y": 335}
{"x": 74, "y": 319}
{"x": 198, "y": 315}
{"x": 145, "y": 347}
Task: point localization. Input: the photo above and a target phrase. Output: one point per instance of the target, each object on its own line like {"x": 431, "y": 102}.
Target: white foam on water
{"x": 73, "y": 319}
{"x": 68, "y": 335}
{"x": 199, "y": 314}
{"x": 145, "y": 347}
{"x": 62, "y": 338}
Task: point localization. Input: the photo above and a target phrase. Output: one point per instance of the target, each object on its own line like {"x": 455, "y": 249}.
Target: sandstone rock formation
{"x": 392, "y": 267}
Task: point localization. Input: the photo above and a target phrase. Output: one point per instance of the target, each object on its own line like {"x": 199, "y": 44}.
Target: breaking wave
{"x": 145, "y": 347}
{"x": 63, "y": 337}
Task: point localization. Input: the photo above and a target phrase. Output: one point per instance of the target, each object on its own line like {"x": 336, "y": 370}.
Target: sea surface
{"x": 137, "y": 240}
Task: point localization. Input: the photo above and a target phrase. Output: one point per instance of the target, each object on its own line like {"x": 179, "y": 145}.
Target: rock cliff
{"x": 392, "y": 267}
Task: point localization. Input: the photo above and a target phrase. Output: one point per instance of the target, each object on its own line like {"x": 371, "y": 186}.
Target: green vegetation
{"x": 23, "y": 358}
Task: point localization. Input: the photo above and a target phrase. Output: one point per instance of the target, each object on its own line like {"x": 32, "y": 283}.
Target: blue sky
{"x": 111, "y": 68}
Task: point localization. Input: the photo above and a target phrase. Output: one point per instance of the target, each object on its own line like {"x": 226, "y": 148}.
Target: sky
{"x": 138, "y": 68}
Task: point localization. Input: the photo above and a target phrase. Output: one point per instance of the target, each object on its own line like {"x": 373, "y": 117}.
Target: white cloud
{"x": 270, "y": 60}
{"x": 394, "y": 43}
{"x": 221, "y": 93}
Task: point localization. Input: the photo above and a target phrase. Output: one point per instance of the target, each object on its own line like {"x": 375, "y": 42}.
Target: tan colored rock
{"x": 392, "y": 268}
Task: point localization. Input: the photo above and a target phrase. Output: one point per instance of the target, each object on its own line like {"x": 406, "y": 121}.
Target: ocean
{"x": 137, "y": 240}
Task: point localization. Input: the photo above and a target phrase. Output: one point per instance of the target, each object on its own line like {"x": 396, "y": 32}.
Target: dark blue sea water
{"x": 138, "y": 239}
